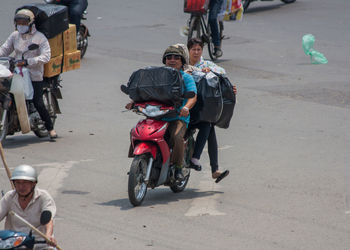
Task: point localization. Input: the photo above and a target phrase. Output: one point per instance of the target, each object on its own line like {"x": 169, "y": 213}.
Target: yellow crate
{"x": 53, "y": 67}
{"x": 56, "y": 45}
{"x": 70, "y": 39}
{"x": 71, "y": 61}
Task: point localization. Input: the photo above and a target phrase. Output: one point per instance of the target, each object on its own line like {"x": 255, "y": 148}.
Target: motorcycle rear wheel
{"x": 3, "y": 129}
{"x": 82, "y": 40}
{"x": 40, "y": 131}
{"x": 137, "y": 188}
{"x": 178, "y": 187}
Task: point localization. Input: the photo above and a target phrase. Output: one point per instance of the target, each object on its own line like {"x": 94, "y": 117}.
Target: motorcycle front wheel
{"x": 49, "y": 102}
{"x": 4, "y": 127}
{"x": 137, "y": 188}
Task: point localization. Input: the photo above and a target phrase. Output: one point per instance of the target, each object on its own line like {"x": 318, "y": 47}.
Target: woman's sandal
{"x": 195, "y": 167}
{"x": 222, "y": 176}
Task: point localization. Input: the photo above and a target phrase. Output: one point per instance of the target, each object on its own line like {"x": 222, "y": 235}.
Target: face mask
{"x": 22, "y": 29}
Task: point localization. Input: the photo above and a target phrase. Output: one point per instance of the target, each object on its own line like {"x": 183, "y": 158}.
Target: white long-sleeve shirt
{"x": 36, "y": 58}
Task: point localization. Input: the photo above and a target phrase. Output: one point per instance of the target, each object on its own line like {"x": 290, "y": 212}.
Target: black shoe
{"x": 195, "y": 167}
{"x": 217, "y": 52}
{"x": 178, "y": 174}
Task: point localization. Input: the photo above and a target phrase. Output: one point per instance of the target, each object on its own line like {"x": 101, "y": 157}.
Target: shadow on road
{"x": 161, "y": 196}
{"x": 253, "y": 9}
{"x": 23, "y": 141}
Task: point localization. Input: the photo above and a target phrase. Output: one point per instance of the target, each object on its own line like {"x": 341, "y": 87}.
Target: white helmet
{"x": 25, "y": 14}
{"x": 24, "y": 172}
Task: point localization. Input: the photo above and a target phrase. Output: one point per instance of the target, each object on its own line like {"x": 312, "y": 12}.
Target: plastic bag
{"x": 229, "y": 102}
{"x": 162, "y": 84}
{"x": 315, "y": 56}
{"x": 208, "y": 107}
{"x": 27, "y": 86}
{"x": 4, "y": 72}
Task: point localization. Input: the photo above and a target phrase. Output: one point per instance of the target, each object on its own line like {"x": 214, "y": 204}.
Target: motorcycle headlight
{"x": 153, "y": 111}
{"x": 11, "y": 242}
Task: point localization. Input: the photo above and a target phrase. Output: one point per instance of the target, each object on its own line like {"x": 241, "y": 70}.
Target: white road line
{"x": 220, "y": 148}
{"x": 207, "y": 204}
{"x": 52, "y": 175}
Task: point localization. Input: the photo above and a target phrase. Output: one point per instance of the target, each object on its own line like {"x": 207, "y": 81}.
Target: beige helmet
{"x": 25, "y": 14}
{"x": 24, "y": 172}
{"x": 175, "y": 50}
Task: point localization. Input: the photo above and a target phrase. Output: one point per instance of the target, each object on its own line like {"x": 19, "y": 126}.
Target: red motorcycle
{"x": 149, "y": 147}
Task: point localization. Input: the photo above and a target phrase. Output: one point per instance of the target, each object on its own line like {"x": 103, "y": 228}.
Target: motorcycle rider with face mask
{"x": 29, "y": 202}
{"x": 25, "y": 35}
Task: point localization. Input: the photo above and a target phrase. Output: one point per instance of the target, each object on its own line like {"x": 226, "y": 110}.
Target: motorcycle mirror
{"x": 189, "y": 94}
{"x": 124, "y": 89}
{"x": 33, "y": 46}
{"x": 45, "y": 217}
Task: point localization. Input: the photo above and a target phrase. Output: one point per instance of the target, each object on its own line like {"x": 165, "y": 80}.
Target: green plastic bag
{"x": 315, "y": 56}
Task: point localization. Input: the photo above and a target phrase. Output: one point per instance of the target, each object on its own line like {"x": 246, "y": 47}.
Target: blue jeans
{"x": 76, "y": 9}
{"x": 214, "y": 10}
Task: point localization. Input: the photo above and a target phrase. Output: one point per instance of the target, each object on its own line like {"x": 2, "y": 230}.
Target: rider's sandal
{"x": 53, "y": 136}
{"x": 222, "y": 176}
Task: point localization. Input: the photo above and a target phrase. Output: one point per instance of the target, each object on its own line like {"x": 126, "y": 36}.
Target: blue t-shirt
{"x": 190, "y": 85}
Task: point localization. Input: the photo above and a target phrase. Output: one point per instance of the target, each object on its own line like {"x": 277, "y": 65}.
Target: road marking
{"x": 207, "y": 204}
{"x": 220, "y": 148}
{"x": 52, "y": 175}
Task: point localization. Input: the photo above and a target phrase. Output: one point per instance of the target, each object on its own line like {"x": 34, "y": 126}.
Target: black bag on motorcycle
{"x": 161, "y": 84}
{"x": 229, "y": 101}
{"x": 50, "y": 19}
{"x": 208, "y": 107}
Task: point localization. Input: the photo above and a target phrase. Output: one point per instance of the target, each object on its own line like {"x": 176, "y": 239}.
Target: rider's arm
{"x": 45, "y": 53}
{"x": 7, "y": 48}
{"x": 5, "y": 204}
{"x": 49, "y": 233}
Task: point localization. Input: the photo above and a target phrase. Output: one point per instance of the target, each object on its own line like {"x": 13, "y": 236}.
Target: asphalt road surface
{"x": 286, "y": 148}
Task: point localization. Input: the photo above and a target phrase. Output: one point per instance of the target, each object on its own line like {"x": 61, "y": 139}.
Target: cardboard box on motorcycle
{"x": 64, "y": 53}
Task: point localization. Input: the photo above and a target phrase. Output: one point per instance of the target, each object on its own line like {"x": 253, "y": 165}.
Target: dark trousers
{"x": 76, "y": 9}
{"x": 39, "y": 105}
{"x": 214, "y": 10}
{"x": 206, "y": 133}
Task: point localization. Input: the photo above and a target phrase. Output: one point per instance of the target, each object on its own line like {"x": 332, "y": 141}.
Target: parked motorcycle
{"x": 16, "y": 113}
{"x": 149, "y": 147}
{"x": 82, "y": 34}
{"x": 246, "y": 3}
{"x": 11, "y": 240}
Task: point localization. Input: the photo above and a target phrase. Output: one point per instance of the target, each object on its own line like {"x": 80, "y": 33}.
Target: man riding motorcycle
{"x": 25, "y": 35}
{"x": 28, "y": 202}
{"x": 174, "y": 56}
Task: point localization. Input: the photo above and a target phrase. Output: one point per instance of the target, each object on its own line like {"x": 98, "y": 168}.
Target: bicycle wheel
{"x": 210, "y": 46}
{"x": 194, "y": 28}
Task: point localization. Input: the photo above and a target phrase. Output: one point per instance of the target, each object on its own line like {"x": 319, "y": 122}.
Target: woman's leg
{"x": 39, "y": 105}
{"x": 213, "y": 156}
{"x": 213, "y": 149}
{"x": 202, "y": 137}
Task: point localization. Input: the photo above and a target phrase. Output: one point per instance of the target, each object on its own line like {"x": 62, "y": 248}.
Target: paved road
{"x": 286, "y": 148}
